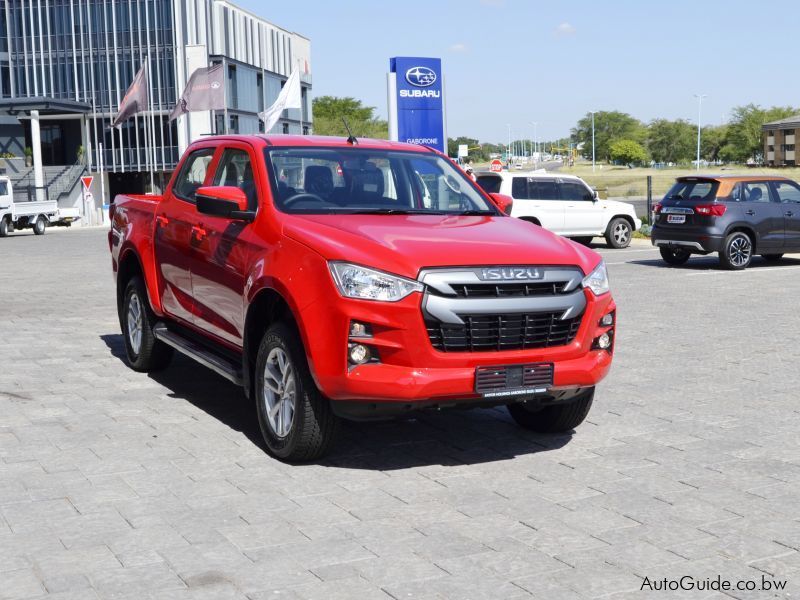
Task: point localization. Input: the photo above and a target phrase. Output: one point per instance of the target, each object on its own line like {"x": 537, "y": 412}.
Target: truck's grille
{"x": 503, "y": 332}
{"x": 506, "y": 290}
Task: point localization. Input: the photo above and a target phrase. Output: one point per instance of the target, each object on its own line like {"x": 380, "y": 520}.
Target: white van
{"x": 564, "y": 204}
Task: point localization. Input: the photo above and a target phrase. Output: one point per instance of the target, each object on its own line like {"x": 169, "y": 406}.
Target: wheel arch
{"x": 628, "y": 218}
{"x": 130, "y": 265}
{"x": 736, "y": 227}
{"x": 266, "y": 307}
{"x": 529, "y": 219}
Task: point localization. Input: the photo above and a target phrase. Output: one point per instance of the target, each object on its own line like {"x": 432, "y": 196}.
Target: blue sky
{"x": 517, "y": 61}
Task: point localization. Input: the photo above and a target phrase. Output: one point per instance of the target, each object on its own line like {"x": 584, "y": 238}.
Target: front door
{"x": 176, "y": 216}
{"x": 788, "y": 194}
{"x": 764, "y": 213}
{"x": 222, "y": 250}
{"x": 582, "y": 215}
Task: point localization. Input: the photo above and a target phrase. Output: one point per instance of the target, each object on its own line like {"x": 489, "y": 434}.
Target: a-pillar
{"x": 36, "y": 143}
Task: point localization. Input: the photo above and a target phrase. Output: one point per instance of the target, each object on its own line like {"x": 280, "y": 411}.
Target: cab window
{"x": 787, "y": 191}
{"x": 236, "y": 170}
{"x": 192, "y": 174}
{"x": 546, "y": 190}
{"x": 575, "y": 191}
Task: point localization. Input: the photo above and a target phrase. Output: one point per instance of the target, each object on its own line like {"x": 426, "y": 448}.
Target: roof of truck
{"x": 285, "y": 140}
{"x": 735, "y": 177}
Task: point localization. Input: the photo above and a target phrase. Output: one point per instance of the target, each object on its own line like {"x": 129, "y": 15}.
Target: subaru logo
{"x": 509, "y": 273}
{"x": 421, "y": 76}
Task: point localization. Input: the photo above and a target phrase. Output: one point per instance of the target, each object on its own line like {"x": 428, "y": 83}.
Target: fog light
{"x": 604, "y": 342}
{"x": 359, "y": 329}
{"x": 607, "y": 320}
{"x": 359, "y": 354}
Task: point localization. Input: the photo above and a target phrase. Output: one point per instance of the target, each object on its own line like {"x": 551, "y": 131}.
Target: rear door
{"x": 175, "y": 217}
{"x": 760, "y": 208}
{"x": 538, "y": 198}
{"x": 582, "y": 215}
{"x": 788, "y": 194}
{"x": 222, "y": 249}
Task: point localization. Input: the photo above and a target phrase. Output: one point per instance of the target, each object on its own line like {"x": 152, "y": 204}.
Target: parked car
{"x": 737, "y": 217}
{"x": 362, "y": 280}
{"x": 565, "y": 205}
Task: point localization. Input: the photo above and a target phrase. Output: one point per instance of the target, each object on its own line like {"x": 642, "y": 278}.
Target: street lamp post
{"x": 593, "y": 163}
{"x": 508, "y": 148}
{"x": 699, "y": 109}
{"x": 535, "y": 142}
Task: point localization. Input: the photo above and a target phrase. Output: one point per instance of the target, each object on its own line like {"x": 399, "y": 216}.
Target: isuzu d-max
{"x": 359, "y": 279}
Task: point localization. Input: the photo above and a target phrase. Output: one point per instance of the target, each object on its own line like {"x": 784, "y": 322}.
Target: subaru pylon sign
{"x": 416, "y": 101}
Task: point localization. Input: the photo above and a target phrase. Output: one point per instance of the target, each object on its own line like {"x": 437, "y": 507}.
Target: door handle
{"x": 750, "y": 212}
{"x": 199, "y": 233}
{"x": 161, "y": 221}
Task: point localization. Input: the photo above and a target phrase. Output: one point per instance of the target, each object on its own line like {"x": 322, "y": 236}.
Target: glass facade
{"x": 90, "y": 50}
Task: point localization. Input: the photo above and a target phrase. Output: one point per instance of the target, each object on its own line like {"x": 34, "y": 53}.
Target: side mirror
{"x": 503, "y": 202}
{"x": 595, "y": 195}
{"x": 224, "y": 201}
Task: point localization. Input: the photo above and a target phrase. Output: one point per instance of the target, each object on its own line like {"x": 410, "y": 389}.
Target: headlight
{"x": 597, "y": 280}
{"x": 355, "y": 281}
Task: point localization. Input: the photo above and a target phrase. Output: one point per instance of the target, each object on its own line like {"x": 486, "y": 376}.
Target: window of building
{"x": 285, "y": 128}
{"x": 260, "y": 91}
{"x": 233, "y": 89}
{"x": 233, "y": 123}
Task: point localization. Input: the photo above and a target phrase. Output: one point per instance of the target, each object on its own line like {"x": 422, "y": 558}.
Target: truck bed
{"x": 32, "y": 209}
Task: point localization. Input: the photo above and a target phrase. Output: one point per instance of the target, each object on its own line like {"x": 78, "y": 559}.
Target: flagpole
{"x": 299, "y": 76}
{"x": 225, "y": 88}
{"x": 152, "y": 129}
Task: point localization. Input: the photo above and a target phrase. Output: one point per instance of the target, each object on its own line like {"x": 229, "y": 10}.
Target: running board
{"x": 187, "y": 347}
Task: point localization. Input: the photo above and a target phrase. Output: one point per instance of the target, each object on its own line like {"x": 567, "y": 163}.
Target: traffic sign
{"x": 496, "y": 166}
{"x": 87, "y": 181}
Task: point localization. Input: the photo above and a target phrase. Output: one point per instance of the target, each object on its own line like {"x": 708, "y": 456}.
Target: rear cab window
{"x": 704, "y": 190}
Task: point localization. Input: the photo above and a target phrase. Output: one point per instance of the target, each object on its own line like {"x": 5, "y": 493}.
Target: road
{"x": 116, "y": 484}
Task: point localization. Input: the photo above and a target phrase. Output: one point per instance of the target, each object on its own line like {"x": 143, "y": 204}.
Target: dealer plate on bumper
{"x": 513, "y": 380}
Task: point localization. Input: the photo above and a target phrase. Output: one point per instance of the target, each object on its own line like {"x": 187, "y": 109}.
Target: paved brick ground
{"x": 119, "y": 485}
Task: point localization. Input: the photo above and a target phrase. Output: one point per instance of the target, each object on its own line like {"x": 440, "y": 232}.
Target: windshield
{"x": 354, "y": 180}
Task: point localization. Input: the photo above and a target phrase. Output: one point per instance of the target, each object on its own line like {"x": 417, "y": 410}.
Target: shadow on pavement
{"x": 711, "y": 263}
{"x": 449, "y": 438}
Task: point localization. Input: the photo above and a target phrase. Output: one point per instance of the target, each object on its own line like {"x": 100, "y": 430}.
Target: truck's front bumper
{"x": 410, "y": 370}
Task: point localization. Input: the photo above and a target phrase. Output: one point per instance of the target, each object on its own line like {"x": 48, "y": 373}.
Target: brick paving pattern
{"x": 115, "y": 484}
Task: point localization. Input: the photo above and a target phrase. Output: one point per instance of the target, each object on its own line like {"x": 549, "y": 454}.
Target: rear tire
{"x": 3, "y": 227}
{"x": 40, "y": 226}
{"x": 296, "y": 420}
{"x": 619, "y": 233}
{"x": 772, "y": 257}
{"x": 145, "y": 353}
{"x": 737, "y": 251}
{"x": 555, "y": 418}
{"x": 674, "y": 256}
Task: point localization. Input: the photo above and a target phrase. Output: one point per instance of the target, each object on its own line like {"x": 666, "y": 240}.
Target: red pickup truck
{"x": 359, "y": 279}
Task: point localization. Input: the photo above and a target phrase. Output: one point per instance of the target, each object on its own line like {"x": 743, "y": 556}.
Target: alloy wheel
{"x": 739, "y": 251}
{"x": 622, "y": 233}
{"x": 279, "y": 392}
{"x": 135, "y": 323}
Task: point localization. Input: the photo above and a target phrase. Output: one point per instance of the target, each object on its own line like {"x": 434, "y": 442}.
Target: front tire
{"x": 145, "y": 353}
{"x": 296, "y": 420}
{"x": 737, "y": 251}
{"x": 3, "y": 227}
{"x": 674, "y": 256}
{"x": 619, "y": 233}
{"x": 40, "y": 226}
{"x": 554, "y": 418}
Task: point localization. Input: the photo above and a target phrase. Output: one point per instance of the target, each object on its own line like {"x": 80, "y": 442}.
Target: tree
{"x": 609, "y": 126}
{"x": 671, "y": 141}
{"x": 745, "y": 134}
{"x": 713, "y": 141}
{"x": 628, "y": 152}
{"x": 329, "y": 111}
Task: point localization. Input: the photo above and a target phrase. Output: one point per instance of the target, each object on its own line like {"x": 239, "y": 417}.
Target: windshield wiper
{"x": 475, "y": 213}
{"x": 394, "y": 211}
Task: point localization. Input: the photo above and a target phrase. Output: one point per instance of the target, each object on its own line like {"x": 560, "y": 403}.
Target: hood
{"x": 618, "y": 207}
{"x": 405, "y": 244}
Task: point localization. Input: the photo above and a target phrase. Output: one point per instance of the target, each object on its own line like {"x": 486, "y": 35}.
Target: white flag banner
{"x": 290, "y": 97}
